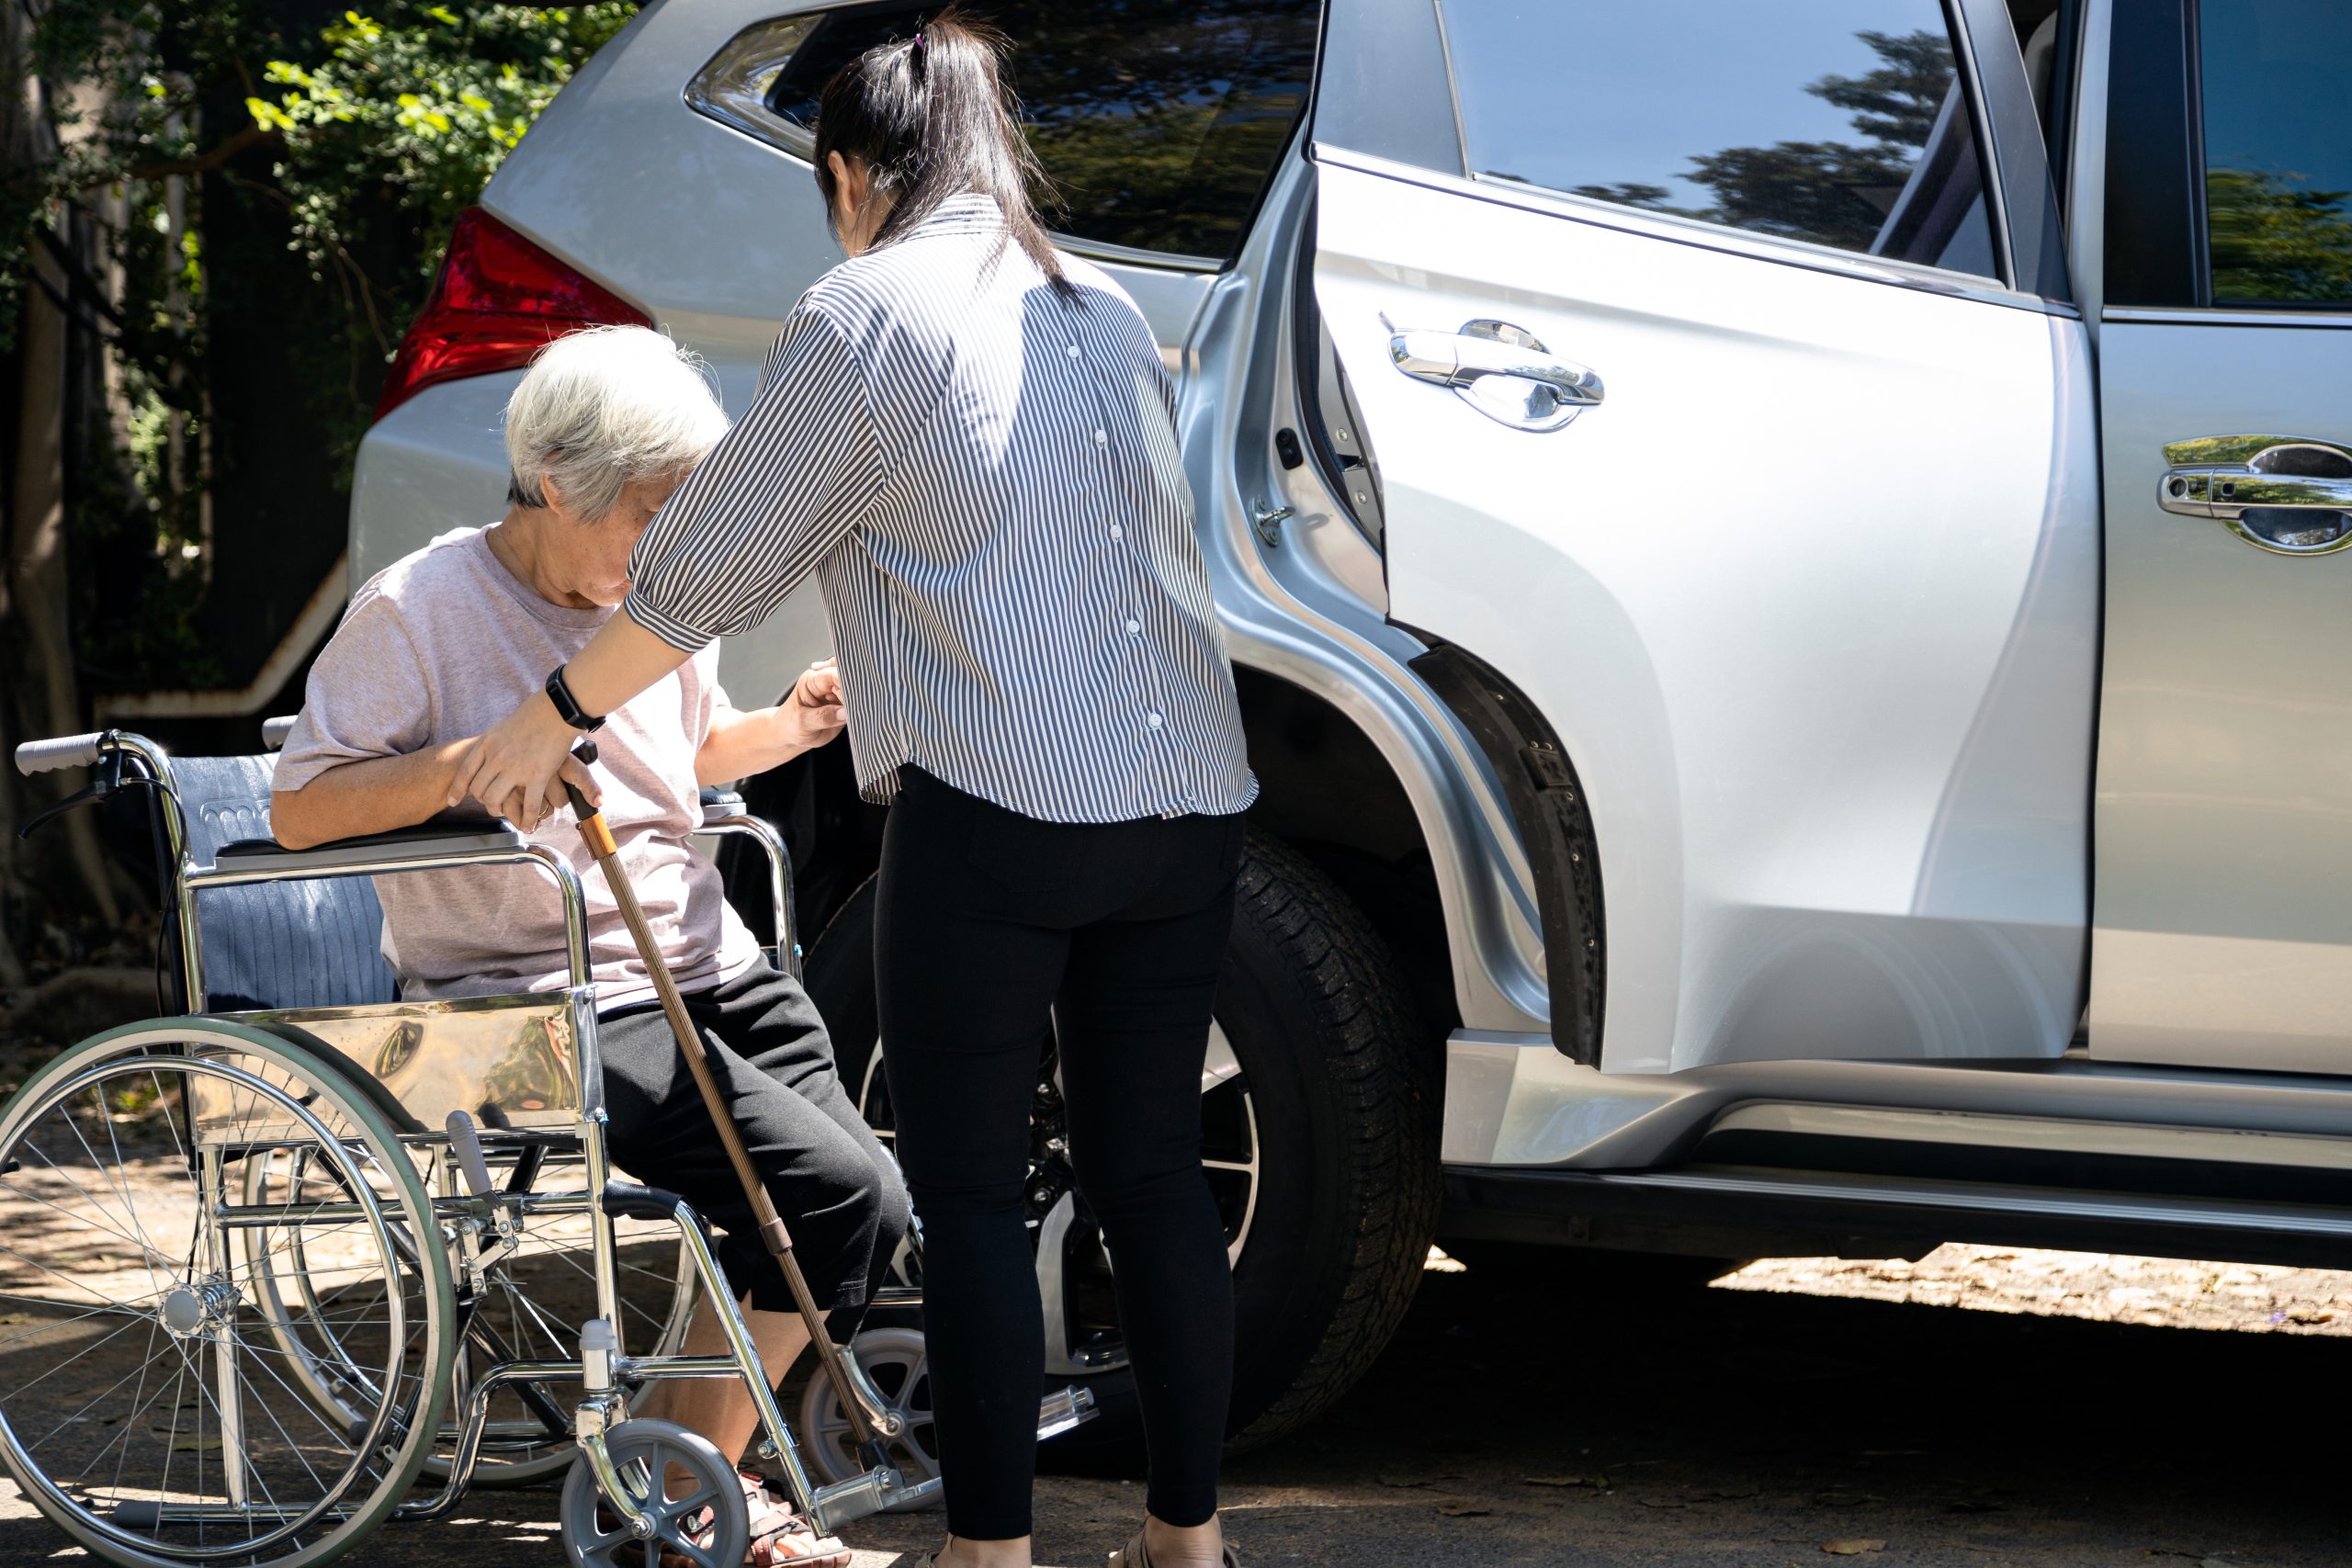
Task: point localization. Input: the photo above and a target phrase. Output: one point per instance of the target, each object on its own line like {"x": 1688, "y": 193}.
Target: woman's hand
{"x": 811, "y": 713}
{"x": 513, "y": 768}
{"x": 741, "y": 744}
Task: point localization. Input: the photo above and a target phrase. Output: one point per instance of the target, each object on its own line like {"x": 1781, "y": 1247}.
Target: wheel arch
{"x": 1378, "y": 769}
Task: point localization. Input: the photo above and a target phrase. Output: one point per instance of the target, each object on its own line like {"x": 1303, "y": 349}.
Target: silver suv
{"x": 1760, "y": 545}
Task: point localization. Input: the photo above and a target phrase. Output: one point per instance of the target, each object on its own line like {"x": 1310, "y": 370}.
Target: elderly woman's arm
{"x": 741, "y": 744}
{"x": 375, "y": 794}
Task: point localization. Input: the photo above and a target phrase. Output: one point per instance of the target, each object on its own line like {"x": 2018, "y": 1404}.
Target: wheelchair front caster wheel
{"x": 894, "y": 1359}
{"x": 690, "y": 1496}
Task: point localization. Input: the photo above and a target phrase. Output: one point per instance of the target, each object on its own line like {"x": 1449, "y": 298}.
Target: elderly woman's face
{"x": 600, "y": 550}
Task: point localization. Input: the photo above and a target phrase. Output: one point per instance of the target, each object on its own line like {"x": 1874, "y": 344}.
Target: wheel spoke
{"x": 237, "y": 1394}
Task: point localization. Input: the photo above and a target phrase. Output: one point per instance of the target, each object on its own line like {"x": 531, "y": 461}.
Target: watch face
{"x": 560, "y": 694}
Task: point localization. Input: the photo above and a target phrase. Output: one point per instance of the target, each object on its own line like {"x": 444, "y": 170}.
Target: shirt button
{"x": 1073, "y": 351}
{"x": 1101, "y": 438}
{"x": 1157, "y": 721}
{"x": 1134, "y": 627}
{"x": 1117, "y": 532}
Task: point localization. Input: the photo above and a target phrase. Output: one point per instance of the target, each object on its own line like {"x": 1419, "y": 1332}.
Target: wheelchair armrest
{"x": 718, "y": 805}
{"x": 441, "y": 836}
{"x": 725, "y": 811}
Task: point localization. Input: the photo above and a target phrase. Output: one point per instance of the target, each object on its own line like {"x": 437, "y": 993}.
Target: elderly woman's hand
{"x": 811, "y": 713}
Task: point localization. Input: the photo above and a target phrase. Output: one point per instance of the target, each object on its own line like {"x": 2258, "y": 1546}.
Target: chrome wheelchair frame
{"x": 459, "y": 1083}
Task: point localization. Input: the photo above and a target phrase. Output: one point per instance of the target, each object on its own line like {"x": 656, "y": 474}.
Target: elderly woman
{"x": 444, "y": 642}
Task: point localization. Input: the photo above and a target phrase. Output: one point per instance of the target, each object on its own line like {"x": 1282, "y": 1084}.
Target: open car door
{"x": 1720, "y": 396}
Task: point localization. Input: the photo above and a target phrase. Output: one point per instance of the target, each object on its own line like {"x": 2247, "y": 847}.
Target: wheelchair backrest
{"x": 310, "y": 943}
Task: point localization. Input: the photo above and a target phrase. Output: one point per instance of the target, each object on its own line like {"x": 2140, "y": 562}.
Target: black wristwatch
{"x": 560, "y": 694}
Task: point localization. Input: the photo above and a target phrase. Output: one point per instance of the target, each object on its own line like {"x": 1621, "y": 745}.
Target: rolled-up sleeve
{"x": 773, "y": 498}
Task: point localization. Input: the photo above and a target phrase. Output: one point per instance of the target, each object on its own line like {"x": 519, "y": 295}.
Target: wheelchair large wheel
{"x": 528, "y": 1307}
{"x": 151, "y": 1404}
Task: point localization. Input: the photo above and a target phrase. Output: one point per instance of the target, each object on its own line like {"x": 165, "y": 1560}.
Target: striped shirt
{"x": 984, "y": 479}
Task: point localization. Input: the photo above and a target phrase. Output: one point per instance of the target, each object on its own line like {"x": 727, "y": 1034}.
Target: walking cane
{"x": 772, "y": 1232}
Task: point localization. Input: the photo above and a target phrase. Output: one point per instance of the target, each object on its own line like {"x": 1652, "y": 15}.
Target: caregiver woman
{"x": 969, "y": 441}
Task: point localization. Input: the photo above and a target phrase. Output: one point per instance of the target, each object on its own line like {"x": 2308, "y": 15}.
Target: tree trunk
{"x": 40, "y": 694}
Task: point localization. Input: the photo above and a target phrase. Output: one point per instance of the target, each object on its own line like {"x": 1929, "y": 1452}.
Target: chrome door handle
{"x": 2287, "y": 495}
{"x": 1500, "y": 370}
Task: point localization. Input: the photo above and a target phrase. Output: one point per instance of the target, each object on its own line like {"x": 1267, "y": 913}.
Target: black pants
{"x": 838, "y": 1192}
{"x": 990, "y": 926}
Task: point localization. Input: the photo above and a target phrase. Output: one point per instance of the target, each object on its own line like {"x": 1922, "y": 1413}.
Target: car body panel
{"x": 1826, "y": 674}
{"x": 1811, "y": 474}
{"x": 2225, "y": 813}
{"x": 1307, "y": 608}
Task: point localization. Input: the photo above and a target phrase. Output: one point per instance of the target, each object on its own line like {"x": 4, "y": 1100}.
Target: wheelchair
{"x": 306, "y": 1257}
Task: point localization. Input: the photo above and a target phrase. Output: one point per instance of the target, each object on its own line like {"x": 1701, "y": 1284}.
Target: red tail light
{"x": 498, "y": 300}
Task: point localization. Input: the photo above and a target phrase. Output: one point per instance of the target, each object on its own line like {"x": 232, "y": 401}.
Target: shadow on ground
{"x": 1591, "y": 1419}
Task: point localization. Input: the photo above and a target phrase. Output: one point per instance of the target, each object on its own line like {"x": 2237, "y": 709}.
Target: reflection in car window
{"x": 1157, "y": 121}
{"x": 1838, "y": 122}
{"x": 2278, "y": 88}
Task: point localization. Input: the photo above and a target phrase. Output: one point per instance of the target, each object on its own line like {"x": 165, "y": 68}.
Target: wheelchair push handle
{"x": 65, "y": 752}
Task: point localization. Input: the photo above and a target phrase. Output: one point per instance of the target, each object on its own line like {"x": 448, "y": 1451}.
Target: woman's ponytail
{"x": 930, "y": 117}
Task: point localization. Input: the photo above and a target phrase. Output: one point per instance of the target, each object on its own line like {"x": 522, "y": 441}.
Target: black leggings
{"x": 989, "y": 927}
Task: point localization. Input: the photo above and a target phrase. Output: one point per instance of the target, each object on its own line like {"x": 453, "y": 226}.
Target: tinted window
{"x": 1156, "y": 120}
{"x": 1838, "y": 122}
{"x": 2277, "y": 89}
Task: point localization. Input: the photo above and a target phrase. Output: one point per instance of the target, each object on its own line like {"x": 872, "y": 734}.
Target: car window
{"x": 1156, "y": 122}
{"x": 1838, "y": 122}
{"x": 2277, "y": 91}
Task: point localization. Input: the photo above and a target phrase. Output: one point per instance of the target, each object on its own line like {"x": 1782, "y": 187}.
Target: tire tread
{"x": 1375, "y": 1052}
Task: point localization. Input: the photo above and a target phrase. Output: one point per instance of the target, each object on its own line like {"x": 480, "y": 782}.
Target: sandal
{"x": 1133, "y": 1554}
{"x": 778, "y": 1536}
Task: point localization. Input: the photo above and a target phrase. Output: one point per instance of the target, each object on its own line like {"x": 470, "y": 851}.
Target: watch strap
{"x": 560, "y": 694}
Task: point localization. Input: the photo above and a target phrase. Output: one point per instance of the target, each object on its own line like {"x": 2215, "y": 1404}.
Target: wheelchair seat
{"x": 291, "y": 943}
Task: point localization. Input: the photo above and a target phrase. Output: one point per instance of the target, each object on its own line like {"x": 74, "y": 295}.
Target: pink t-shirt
{"x": 438, "y": 646}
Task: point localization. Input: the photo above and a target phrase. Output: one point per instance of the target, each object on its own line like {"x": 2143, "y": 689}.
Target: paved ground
{"x": 1589, "y": 1419}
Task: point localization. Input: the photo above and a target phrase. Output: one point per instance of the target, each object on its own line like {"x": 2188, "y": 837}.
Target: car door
{"x": 2223, "y": 932}
{"x": 1721, "y": 397}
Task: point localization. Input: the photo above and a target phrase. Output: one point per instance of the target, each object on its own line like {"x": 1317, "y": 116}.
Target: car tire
{"x": 1341, "y": 1081}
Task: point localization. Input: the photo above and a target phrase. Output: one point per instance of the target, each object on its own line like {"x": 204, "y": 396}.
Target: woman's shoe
{"x": 1133, "y": 1554}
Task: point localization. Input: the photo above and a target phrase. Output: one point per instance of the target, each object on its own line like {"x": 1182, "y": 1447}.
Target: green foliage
{"x": 359, "y": 141}
{"x": 410, "y": 113}
{"x": 2271, "y": 239}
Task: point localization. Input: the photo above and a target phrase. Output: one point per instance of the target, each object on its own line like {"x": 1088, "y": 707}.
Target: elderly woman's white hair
{"x": 602, "y": 409}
